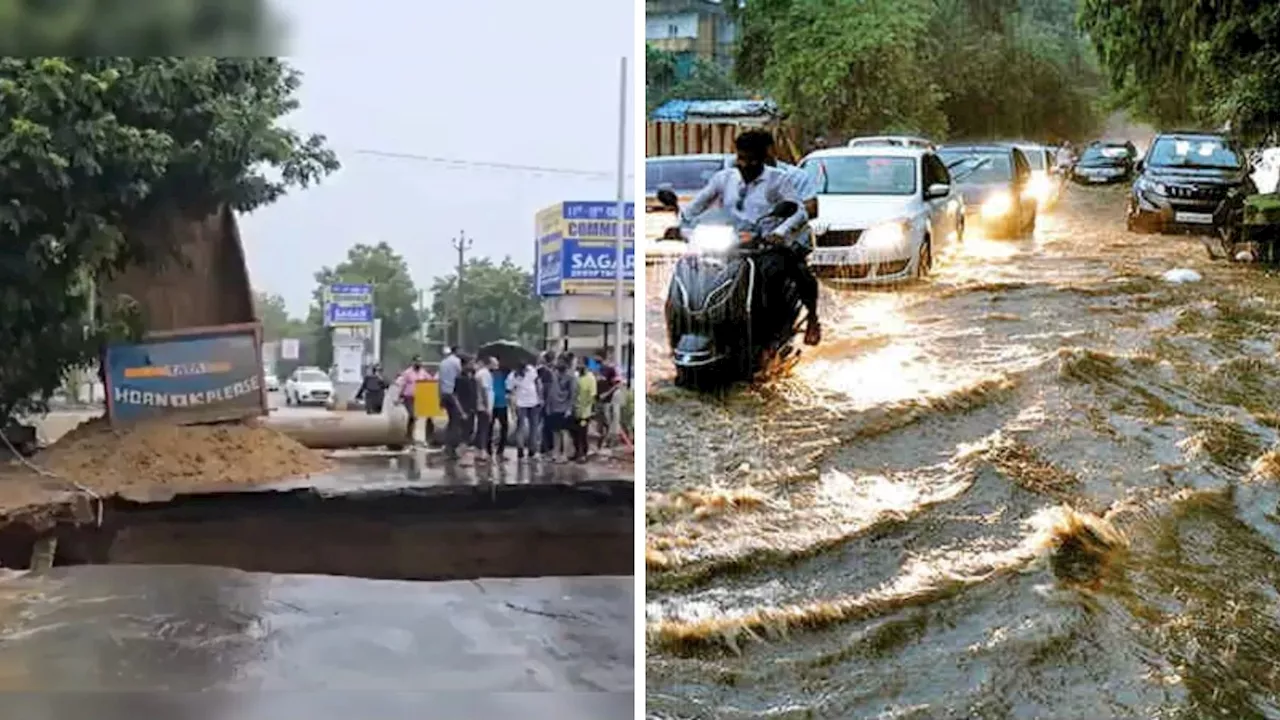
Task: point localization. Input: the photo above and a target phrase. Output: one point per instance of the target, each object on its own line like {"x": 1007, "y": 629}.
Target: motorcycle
{"x": 721, "y": 323}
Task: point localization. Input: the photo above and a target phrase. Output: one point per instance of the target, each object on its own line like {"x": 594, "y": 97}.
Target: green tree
{"x": 499, "y": 303}
{"x": 705, "y": 80}
{"x": 958, "y": 68}
{"x": 395, "y": 297}
{"x": 226, "y": 28}
{"x": 93, "y": 146}
{"x": 276, "y": 322}
{"x": 1187, "y": 62}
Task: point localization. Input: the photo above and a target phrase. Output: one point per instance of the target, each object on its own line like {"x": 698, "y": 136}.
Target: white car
{"x": 271, "y": 379}
{"x": 684, "y": 175}
{"x": 883, "y": 213}
{"x": 892, "y": 141}
{"x": 308, "y": 386}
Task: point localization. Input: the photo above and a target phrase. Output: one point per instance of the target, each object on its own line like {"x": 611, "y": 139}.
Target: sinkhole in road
{"x": 424, "y": 534}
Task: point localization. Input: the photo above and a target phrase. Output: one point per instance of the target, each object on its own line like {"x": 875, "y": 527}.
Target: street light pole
{"x": 462, "y": 244}
{"x": 619, "y": 254}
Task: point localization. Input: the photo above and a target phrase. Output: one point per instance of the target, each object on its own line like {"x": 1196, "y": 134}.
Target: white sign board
{"x": 349, "y": 359}
{"x": 289, "y": 348}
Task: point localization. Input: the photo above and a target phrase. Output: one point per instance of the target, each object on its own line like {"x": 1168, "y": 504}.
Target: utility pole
{"x": 619, "y": 252}
{"x": 462, "y": 244}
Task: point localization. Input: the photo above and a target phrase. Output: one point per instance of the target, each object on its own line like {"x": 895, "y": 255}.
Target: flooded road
{"x": 200, "y": 643}
{"x": 1043, "y": 484}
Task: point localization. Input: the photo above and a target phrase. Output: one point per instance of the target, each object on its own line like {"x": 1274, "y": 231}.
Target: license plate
{"x": 1193, "y": 217}
{"x": 827, "y": 257}
{"x": 1097, "y": 178}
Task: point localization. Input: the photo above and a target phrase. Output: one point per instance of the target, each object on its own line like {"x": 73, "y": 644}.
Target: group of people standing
{"x": 553, "y": 400}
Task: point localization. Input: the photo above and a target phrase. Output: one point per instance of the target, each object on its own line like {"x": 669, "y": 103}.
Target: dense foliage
{"x": 705, "y": 80}
{"x": 92, "y": 147}
{"x": 1191, "y": 62}
{"x": 499, "y": 303}
{"x": 945, "y": 68}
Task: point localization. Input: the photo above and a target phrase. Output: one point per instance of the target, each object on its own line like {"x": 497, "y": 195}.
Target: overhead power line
{"x": 508, "y": 167}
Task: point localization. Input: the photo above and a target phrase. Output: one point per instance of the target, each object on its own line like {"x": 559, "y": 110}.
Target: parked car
{"x": 1189, "y": 183}
{"x": 892, "y": 140}
{"x": 1046, "y": 179}
{"x": 994, "y": 181}
{"x": 271, "y": 379}
{"x": 684, "y": 175}
{"x": 883, "y": 213}
{"x": 308, "y": 386}
{"x": 1105, "y": 162}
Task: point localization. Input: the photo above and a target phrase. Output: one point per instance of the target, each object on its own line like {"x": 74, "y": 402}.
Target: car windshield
{"x": 1203, "y": 152}
{"x": 862, "y": 175}
{"x": 977, "y": 166}
{"x": 1104, "y": 153}
{"x": 684, "y": 176}
{"x": 313, "y": 376}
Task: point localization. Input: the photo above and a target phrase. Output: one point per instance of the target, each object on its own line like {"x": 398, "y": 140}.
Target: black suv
{"x": 1105, "y": 162}
{"x": 1189, "y": 183}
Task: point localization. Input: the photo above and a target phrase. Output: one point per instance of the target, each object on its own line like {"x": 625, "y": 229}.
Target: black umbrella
{"x": 510, "y": 354}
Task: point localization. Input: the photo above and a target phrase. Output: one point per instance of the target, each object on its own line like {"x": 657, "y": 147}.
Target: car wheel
{"x": 924, "y": 261}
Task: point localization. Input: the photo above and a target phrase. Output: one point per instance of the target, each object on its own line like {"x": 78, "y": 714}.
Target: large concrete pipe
{"x": 342, "y": 429}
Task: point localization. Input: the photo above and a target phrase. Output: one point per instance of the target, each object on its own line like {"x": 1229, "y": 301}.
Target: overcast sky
{"x": 485, "y": 81}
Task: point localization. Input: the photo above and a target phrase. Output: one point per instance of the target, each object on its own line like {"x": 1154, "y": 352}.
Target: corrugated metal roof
{"x": 682, "y": 110}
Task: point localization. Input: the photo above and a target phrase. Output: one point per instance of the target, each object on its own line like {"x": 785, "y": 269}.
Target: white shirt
{"x": 484, "y": 381}
{"x": 749, "y": 202}
{"x": 807, "y": 188}
{"x": 524, "y": 391}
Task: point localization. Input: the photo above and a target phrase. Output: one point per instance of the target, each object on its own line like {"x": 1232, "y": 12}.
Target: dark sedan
{"x": 1189, "y": 183}
{"x": 1103, "y": 163}
{"x": 995, "y": 182}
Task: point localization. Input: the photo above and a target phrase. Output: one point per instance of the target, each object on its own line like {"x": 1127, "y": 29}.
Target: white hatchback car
{"x": 883, "y": 212}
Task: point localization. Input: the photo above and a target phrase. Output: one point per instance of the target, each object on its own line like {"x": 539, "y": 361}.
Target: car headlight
{"x": 997, "y": 205}
{"x": 885, "y": 236}
{"x": 713, "y": 238}
{"x": 1039, "y": 188}
{"x": 1152, "y": 187}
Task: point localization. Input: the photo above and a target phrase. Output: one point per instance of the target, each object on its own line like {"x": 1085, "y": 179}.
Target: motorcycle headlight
{"x": 885, "y": 236}
{"x": 713, "y": 238}
{"x": 997, "y": 205}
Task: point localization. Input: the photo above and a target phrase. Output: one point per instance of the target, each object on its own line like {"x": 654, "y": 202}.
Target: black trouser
{"x": 580, "y": 437}
{"x": 373, "y": 404}
{"x": 781, "y": 264}
{"x": 453, "y": 436}
{"x": 549, "y": 427}
{"x": 484, "y": 426}
{"x": 500, "y": 419}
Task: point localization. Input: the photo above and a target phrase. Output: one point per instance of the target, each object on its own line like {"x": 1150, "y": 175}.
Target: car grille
{"x": 1185, "y": 192}
{"x": 839, "y": 238}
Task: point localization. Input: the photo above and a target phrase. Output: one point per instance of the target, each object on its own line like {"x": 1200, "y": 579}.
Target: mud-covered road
{"x": 874, "y": 536}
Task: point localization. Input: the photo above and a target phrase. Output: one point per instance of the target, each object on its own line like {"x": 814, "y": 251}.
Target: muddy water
{"x": 1041, "y": 484}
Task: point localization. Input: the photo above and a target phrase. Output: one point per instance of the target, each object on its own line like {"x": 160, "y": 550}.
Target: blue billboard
{"x": 577, "y": 248}
{"x": 186, "y": 378}
{"x": 348, "y": 305}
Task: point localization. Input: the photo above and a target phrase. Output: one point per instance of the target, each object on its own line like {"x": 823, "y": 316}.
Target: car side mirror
{"x": 937, "y": 190}
{"x": 668, "y": 198}
{"x": 784, "y": 209}
{"x": 1139, "y": 166}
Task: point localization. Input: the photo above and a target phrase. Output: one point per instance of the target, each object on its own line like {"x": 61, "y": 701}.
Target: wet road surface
{"x": 116, "y": 642}
{"x": 895, "y": 529}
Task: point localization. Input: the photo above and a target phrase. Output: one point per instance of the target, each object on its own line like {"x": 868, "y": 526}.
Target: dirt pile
{"x": 148, "y": 459}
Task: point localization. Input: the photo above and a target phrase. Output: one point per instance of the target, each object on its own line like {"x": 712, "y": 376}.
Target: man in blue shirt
{"x": 500, "y": 419}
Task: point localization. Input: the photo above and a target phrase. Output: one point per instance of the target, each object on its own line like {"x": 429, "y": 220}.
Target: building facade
{"x": 691, "y": 30}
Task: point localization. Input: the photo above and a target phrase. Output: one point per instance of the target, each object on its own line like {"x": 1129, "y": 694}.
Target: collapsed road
{"x": 867, "y": 537}
{"x": 504, "y": 588}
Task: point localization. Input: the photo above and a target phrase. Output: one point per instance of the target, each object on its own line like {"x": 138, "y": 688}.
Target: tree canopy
{"x": 395, "y": 297}
{"x": 1189, "y": 62}
{"x": 500, "y": 304}
{"x": 945, "y": 68}
{"x": 93, "y": 146}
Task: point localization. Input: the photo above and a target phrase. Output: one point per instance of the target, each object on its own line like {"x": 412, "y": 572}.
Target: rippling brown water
{"x": 1042, "y": 484}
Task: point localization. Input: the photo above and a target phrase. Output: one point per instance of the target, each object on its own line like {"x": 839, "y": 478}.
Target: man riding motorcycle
{"x": 749, "y": 191}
